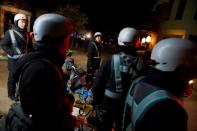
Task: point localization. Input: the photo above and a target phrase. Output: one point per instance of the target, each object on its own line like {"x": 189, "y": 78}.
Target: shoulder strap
{"x": 139, "y": 109}
{"x": 21, "y": 36}
{"x": 29, "y": 62}
{"x": 118, "y": 68}
{"x": 147, "y": 102}
{"x": 98, "y": 54}
{"x": 117, "y": 73}
{"x": 13, "y": 39}
{"x": 129, "y": 101}
{"x": 50, "y": 63}
{"x": 55, "y": 67}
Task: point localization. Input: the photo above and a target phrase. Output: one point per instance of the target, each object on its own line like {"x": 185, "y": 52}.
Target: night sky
{"x": 107, "y": 15}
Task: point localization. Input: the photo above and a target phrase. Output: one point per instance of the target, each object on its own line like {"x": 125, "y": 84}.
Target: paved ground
{"x": 190, "y": 105}
{"x": 80, "y": 58}
{"x": 4, "y": 101}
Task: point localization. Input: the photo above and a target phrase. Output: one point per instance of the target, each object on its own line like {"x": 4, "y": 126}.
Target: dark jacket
{"x": 164, "y": 115}
{"x": 41, "y": 89}
{"x": 106, "y": 79}
{"x": 92, "y": 53}
{"x": 24, "y": 45}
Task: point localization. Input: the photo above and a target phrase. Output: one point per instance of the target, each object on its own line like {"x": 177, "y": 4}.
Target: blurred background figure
{"x": 16, "y": 43}
{"x": 94, "y": 54}
{"x": 113, "y": 81}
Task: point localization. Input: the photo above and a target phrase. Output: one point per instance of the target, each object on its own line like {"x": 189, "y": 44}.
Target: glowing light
{"x": 191, "y": 82}
{"x": 148, "y": 39}
{"x": 143, "y": 40}
{"x": 88, "y": 35}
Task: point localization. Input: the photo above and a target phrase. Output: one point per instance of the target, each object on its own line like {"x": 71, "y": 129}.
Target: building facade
{"x": 176, "y": 18}
{"x": 8, "y": 8}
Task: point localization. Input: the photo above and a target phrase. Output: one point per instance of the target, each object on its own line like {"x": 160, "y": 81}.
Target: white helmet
{"x": 51, "y": 25}
{"x": 171, "y": 53}
{"x": 97, "y": 34}
{"x": 127, "y": 35}
{"x": 20, "y": 16}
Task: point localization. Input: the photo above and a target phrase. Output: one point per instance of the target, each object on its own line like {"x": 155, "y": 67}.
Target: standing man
{"x": 40, "y": 78}
{"x": 16, "y": 43}
{"x": 94, "y": 54}
{"x": 113, "y": 80}
{"x": 153, "y": 102}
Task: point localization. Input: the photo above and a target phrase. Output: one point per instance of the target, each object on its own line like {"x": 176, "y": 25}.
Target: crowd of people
{"x": 129, "y": 93}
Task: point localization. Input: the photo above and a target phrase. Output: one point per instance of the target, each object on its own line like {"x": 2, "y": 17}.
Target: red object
{"x": 138, "y": 42}
{"x": 188, "y": 90}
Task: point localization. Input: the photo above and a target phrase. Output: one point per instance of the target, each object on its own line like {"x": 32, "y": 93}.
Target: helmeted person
{"x": 153, "y": 103}
{"x": 113, "y": 80}
{"x": 39, "y": 76}
{"x": 94, "y": 54}
{"x": 16, "y": 43}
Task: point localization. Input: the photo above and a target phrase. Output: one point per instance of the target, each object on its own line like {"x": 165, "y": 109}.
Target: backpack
{"x": 16, "y": 120}
{"x": 120, "y": 64}
{"x": 127, "y": 68}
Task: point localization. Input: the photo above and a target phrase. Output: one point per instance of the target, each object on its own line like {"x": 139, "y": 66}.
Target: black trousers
{"x": 109, "y": 114}
{"x": 11, "y": 84}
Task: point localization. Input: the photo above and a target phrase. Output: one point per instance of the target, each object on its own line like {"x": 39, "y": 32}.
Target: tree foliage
{"x": 79, "y": 19}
